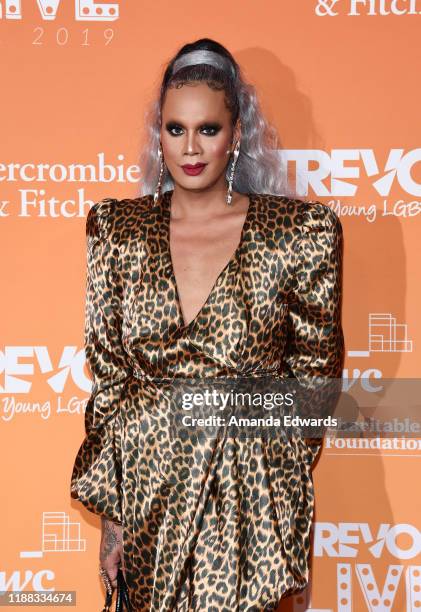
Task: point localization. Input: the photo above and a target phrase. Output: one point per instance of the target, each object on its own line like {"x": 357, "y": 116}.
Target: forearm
{"x": 110, "y": 537}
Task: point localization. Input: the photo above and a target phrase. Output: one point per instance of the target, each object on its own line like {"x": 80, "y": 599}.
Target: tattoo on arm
{"x": 110, "y": 539}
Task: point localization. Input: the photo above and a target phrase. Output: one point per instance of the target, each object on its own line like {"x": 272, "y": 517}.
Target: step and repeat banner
{"x": 340, "y": 81}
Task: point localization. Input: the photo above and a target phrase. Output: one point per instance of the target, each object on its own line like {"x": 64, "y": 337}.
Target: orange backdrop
{"x": 340, "y": 80}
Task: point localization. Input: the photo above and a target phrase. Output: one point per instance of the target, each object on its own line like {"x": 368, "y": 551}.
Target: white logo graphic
{"x": 85, "y": 10}
{"x": 369, "y": 7}
{"x": 376, "y": 597}
{"x": 385, "y": 335}
{"x": 343, "y": 540}
{"x": 325, "y": 7}
{"x": 329, "y": 178}
{"x": 17, "y": 375}
{"x": 18, "y": 364}
{"x": 33, "y": 581}
{"x": 58, "y": 535}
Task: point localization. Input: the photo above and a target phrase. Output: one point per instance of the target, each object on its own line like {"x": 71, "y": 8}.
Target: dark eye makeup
{"x": 211, "y": 128}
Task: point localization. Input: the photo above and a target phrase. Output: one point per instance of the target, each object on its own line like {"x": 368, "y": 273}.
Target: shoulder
{"x": 111, "y": 215}
{"x": 303, "y": 215}
{"x": 316, "y": 215}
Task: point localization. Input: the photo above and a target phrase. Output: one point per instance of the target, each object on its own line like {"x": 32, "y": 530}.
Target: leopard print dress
{"x": 224, "y": 525}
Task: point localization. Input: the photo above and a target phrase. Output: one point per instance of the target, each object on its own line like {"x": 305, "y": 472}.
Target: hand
{"x": 111, "y": 549}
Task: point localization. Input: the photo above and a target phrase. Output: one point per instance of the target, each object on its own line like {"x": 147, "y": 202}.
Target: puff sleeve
{"x": 96, "y": 477}
{"x": 315, "y": 341}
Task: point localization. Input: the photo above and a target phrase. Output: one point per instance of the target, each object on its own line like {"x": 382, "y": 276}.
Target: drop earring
{"x": 161, "y": 173}
{"x": 236, "y": 153}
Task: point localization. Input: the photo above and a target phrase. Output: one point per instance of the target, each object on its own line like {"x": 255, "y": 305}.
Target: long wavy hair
{"x": 259, "y": 168}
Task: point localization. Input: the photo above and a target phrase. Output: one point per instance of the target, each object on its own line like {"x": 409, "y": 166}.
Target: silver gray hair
{"x": 259, "y": 166}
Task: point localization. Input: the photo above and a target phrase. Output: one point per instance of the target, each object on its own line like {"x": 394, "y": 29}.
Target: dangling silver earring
{"x": 236, "y": 152}
{"x": 161, "y": 173}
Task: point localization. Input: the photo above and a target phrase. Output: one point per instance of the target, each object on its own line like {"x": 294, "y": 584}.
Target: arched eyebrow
{"x": 209, "y": 124}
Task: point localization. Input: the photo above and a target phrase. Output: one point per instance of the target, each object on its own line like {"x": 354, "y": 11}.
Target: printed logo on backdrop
{"x": 20, "y": 367}
{"x": 85, "y": 10}
{"x": 381, "y": 585}
{"x": 384, "y": 335}
{"x": 57, "y": 534}
{"x": 380, "y": 416}
{"x": 341, "y": 172}
{"x": 333, "y": 8}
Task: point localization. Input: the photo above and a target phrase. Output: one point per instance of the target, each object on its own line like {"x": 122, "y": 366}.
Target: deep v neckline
{"x": 167, "y": 199}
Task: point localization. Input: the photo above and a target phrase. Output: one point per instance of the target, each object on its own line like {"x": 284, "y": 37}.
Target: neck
{"x": 194, "y": 203}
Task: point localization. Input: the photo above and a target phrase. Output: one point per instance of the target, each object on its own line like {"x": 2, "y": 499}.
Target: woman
{"x": 215, "y": 271}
